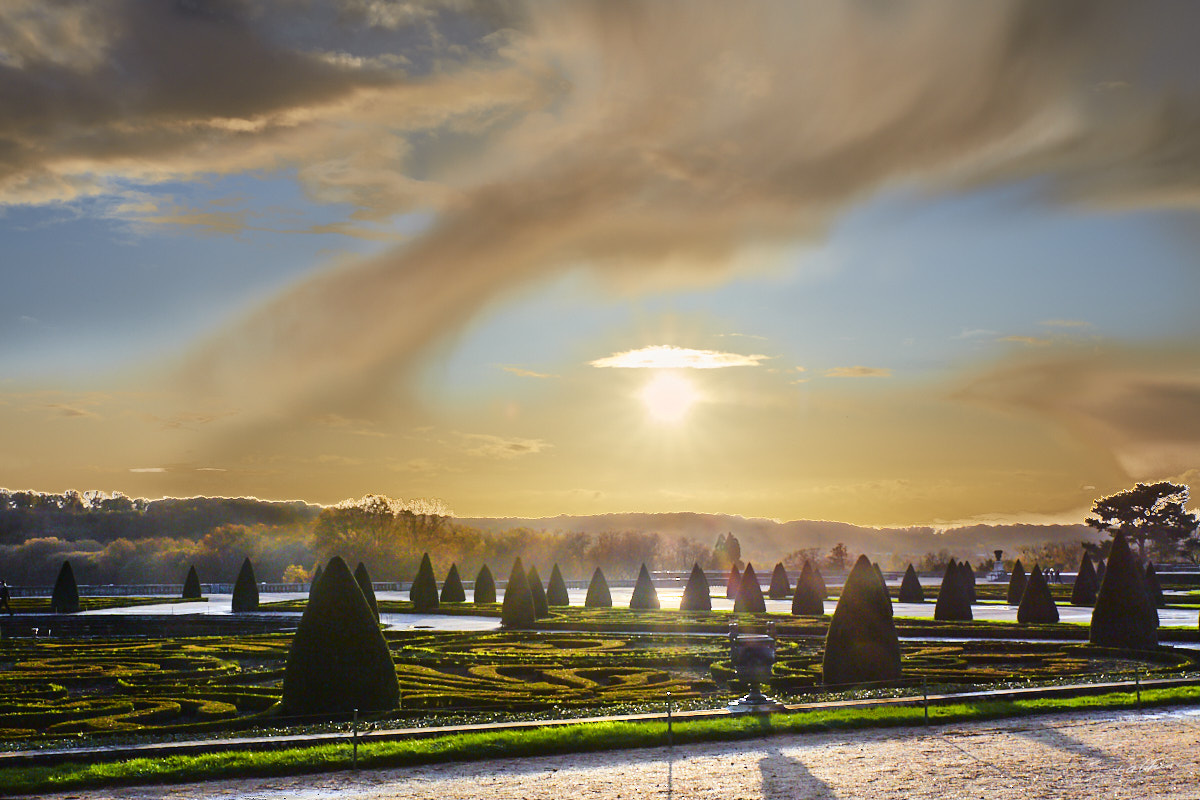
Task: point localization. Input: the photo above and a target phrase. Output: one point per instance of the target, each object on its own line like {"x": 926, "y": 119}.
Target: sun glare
{"x": 668, "y": 398}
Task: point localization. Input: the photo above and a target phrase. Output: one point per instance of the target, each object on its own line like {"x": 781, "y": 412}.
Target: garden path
{"x": 1118, "y": 755}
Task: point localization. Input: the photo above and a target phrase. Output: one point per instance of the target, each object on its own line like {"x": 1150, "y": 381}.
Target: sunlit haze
{"x": 887, "y": 264}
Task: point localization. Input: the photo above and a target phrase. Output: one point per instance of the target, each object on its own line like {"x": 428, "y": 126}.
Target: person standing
{"x": 5, "y": 598}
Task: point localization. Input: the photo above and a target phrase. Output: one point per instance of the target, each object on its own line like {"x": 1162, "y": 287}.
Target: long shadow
{"x": 785, "y": 778}
{"x": 1057, "y": 738}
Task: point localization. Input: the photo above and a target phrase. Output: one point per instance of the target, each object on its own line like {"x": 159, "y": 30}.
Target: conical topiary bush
{"x": 315, "y": 578}
{"x": 363, "y": 578}
{"x": 731, "y": 583}
{"x": 749, "y": 598}
{"x": 1083, "y": 593}
{"x": 645, "y": 596}
{"x": 861, "y": 645}
{"x": 1037, "y": 606}
{"x": 485, "y": 586}
{"x": 541, "y": 609}
{"x": 452, "y": 588}
{"x": 818, "y": 582}
{"x": 780, "y": 588}
{"x": 191, "y": 585}
{"x": 809, "y": 597}
{"x": 338, "y": 660}
{"x": 245, "y": 589}
{"x": 556, "y": 590}
{"x": 1153, "y": 587}
{"x": 910, "y": 587}
{"x": 65, "y": 597}
{"x": 1100, "y": 569}
{"x": 696, "y": 595}
{"x": 968, "y": 576}
{"x": 424, "y": 592}
{"x": 1016, "y": 584}
{"x": 598, "y": 595}
{"x": 517, "y": 611}
{"x": 1123, "y": 616}
{"x": 953, "y": 600}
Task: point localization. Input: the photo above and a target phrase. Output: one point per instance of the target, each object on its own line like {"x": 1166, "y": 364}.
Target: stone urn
{"x": 753, "y": 656}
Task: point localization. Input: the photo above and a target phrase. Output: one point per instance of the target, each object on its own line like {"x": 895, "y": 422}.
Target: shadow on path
{"x": 1054, "y": 736}
{"x": 785, "y": 778}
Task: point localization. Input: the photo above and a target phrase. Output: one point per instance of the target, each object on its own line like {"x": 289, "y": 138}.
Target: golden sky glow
{"x": 918, "y": 264}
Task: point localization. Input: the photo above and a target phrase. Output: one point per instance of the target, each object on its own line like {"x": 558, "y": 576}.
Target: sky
{"x": 912, "y": 263}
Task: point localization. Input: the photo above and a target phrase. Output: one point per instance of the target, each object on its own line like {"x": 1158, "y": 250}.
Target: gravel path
{"x": 1112, "y": 755}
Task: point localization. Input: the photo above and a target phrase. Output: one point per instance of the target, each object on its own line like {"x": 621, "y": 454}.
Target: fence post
{"x": 925, "y": 698}
{"x": 354, "y": 734}
{"x": 670, "y": 731}
{"x": 1137, "y": 683}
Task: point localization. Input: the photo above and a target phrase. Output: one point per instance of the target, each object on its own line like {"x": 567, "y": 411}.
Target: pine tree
{"x": 245, "y": 589}
{"x": 1153, "y": 587}
{"x": 910, "y": 587}
{"x": 809, "y": 598}
{"x": 485, "y": 586}
{"x": 749, "y": 597}
{"x": 452, "y": 588}
{"x": 518, "y": 610}
{"x": 541, "y": 609}
{"x": 191, "y": 585}
{"x": 731, "y": 583}
{"x": 645, "y": 596}
{"x": 696, "y": 595}
{"x": 953, "y": 600}
{"x": 65, "y": 597}
{"x": 556, "y": 590}
{"x": 1123, "y": 616}
{"x": 1083, "y": 593}
{"x": 1016, "y": 584}
{"x": 861, "y": 645}
{"x": 363, "y": 579}
{"x": 1037, "y": 605}
{"x": 424, "y": 592}
{"x": 780, "y": 588}
{"x": 339, "y": 660}
{"x": 598, "y": 595}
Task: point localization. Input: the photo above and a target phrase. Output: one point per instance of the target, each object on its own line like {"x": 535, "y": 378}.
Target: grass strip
{"x": 615, "y": 735}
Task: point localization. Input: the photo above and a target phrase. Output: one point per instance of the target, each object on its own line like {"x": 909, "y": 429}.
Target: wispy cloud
{"x": 525, "y": 373}
{"x": 1032, "y": 341}
{"x": 665, "y": 356}
{"x": 147, "y": 469}
{"x": 1066, "y": 323}
{"x": 66, "y": 410}
{"x": 487, "y": 445}
{"x": 858, "y": 372}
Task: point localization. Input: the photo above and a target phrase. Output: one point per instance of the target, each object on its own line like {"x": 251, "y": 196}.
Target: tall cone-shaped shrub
{"x": 968, "y": 576}
{"x": 541, "y": 609}
{"x": 556, "y": 589}
{"x": 316, "y": 577}
{"x": 910, "y": 587}
{"x": 1016, "y": 584}
{"x": 1037, "y": 606}
{"x": 245, "y": 589}
{"x": 809, "y": 597}
{"x": 517, "y": 611}
{"x": 861, "y": 645}
{"x": 363, "y": 579}
{"x": 749, "y": 598}
{"x": 485, "y": 586}
{"x": 1100, "y": 570}
{"x": 1123, "y": 616}
{"x": 598, "y": 595}
{"x": 65, "y": 597}
{"x": 731, "y": 583}
{"x": 780, "y": 588}
{"x": 338, "y": 660}
{"x": 452, "y": 588}
{"x": 191, "y": 585}
{"x": 696, "y": 595}
{"x": 424, "y": 592}
{"x": 1083, "y": 593}
{"x": 645, "y": 596}
{"x": 953, "y": 600}
{"x": 1153, "y": 587}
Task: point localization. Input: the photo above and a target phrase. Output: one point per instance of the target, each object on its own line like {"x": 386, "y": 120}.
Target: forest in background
{"x": 111, "y": 538}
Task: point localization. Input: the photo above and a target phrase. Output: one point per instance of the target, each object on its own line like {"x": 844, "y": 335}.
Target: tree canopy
{"x": 1149, "y": 512}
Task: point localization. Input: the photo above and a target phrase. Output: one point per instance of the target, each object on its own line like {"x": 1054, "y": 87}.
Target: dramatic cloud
{"x": 858, "y": 372}
{"x": 657, "y": 143}
{"x": 665, "y": 356}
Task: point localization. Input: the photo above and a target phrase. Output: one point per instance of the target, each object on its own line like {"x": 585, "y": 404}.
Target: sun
{"x": 669, "y": 397}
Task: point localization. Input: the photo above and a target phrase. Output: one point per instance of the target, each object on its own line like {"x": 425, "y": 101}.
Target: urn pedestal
{"x": 753, "y": 656}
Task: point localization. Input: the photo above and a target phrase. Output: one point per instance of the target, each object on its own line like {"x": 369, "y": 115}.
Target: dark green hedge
{"x": 245, "y": 589}
{"x": 485, "y": 586}
{"x": 910, "y": 587}
{"x": 645, "y": 596}
{"x": 697, "y": 594}
{"x": 861, "y": 645}
{"x": 598, "y": 595}
{"x": 424, "y": 591}
{"x": 452, "y": 587}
